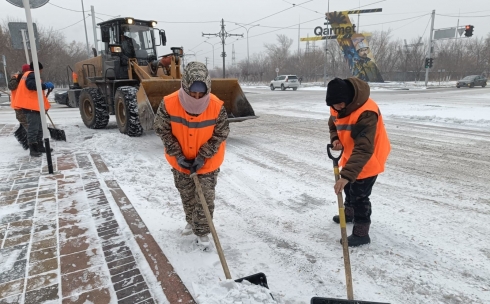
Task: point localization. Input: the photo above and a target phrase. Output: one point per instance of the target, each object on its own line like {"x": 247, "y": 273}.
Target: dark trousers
{"x": 35, "y": 129}
{"x": 357, "y": 197}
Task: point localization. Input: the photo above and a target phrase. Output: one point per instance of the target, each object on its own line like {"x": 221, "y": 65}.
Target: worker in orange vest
{"x": 193, "y": 125}
{"x": 26, "y": 99}
{"x": 13, "y": 84}
{"x": 357, "y": 127}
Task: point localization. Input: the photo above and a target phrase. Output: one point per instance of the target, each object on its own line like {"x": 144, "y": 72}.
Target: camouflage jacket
{"x": 363, "y": 133}
{"x": 172, "y": 146}
{"x": 13, "y": 83}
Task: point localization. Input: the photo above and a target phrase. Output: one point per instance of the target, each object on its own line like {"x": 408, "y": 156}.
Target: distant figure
{"x": 300, "y": 79}
{"x": 27, "y": 100}
{"x": 193, "y": 125}
{"x": 13, "y": 84}
{"x": 129, "y": 46}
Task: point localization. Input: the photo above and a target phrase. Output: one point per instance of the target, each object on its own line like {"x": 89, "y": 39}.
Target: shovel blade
{"x": 57, "y": 134}
{"x": 317, "y": 300}
{"x": 256, "y": 279}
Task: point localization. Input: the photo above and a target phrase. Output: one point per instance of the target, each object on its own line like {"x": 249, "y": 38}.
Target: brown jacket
{"x": 363, "y": 132}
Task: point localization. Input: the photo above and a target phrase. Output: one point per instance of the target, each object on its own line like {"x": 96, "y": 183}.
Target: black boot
{"x": 33, "y": 150}
{"x": 359, "y": 236}
{"x": 349, "y": 216}
{"x": 40, "y": 147}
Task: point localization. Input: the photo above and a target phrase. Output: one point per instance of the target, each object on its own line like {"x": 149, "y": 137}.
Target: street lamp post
{"x": 212, "y": 45}
{"x": 248, "y": 57}
{"x": 86, "y": 35}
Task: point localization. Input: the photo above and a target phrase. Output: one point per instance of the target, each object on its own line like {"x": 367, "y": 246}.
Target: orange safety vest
{"x": 27, "y": 99}
{"x": 194, "y": 131}
{"x": 13, "y": 100}
{"x": 376, "y": 164}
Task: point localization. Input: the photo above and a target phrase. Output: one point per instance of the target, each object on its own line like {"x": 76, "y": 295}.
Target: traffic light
{"x": 429, "y": 62}
{"x": 468, "y": 30}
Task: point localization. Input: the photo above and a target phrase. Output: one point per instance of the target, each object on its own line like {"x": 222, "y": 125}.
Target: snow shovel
{"x": 21, "y": 136}
{"x": 256, "y": 279}
{"x": 348, "y": 274}
{"x": 56, "y": 134}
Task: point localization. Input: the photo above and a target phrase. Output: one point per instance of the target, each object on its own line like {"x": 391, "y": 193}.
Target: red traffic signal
{"x": 468, "y": 30}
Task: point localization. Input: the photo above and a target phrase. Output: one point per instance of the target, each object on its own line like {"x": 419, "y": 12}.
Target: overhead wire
{"x": 463, "y": 16}
{"x": 69, "y": 25}
{"x": 68, "y": 9}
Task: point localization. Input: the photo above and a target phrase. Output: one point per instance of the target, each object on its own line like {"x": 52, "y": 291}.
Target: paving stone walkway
{"x": 73, "y": 237}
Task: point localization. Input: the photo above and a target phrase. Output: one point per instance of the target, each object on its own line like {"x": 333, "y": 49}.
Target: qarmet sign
{"x": 341, "y": 30}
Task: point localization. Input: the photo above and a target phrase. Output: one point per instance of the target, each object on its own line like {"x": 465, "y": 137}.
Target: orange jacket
{"x": 27, "y": 99}
{"x": 13, "y": 94}
{"x": 194, "y": 131}
{"x": 376, "y": 163}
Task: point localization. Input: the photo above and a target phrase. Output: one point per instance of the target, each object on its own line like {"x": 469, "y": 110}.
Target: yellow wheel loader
{"x": 129, "y": 81}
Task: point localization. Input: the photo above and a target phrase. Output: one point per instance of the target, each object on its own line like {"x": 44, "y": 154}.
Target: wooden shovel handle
{"x": 211, "y": 225}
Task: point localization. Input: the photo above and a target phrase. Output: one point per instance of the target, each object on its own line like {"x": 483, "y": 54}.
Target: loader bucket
{"x": 152, "y": 91}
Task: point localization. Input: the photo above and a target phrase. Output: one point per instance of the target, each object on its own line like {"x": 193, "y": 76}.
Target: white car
{"x": 285, "y": 82}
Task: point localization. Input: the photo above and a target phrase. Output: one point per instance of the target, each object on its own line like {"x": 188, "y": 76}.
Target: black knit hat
{"x": 339, "y": 90}
{"x": 32, "y": 66}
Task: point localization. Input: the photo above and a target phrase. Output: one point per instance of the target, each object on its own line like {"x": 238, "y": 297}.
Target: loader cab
{"x": 125, "y": 38}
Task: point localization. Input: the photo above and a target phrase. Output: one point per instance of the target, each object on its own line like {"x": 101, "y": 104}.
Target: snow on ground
{"x": 386, "y": 86}
{"x": 275, "y": 201}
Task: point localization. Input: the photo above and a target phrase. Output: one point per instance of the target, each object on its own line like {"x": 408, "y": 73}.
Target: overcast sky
{"x": 185, "y": 20}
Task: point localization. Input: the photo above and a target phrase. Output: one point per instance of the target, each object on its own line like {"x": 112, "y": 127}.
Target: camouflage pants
{"x": 194, "y": 212}
{"x": 21, "y": 118}
{"x": 358, "y": 205}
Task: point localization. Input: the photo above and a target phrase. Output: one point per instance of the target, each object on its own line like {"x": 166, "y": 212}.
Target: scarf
{"x": 191, "y": 104}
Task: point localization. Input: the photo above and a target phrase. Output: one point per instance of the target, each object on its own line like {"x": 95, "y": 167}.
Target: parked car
{"x": 61, "y": 97}
{"x": 471, "y": 81}
{"x": 285, "y": 82}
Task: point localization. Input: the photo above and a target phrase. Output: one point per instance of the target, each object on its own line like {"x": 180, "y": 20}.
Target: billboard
{"x": 354, "y": 46}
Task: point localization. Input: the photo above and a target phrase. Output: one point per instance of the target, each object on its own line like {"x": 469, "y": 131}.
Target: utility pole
{"x": 223, "y": 34}
{"x": 94, "y": 25}
{"x": 326, "y": 51}
{"x": 429, "y": 49}
{"x": 24, "y": 40}
{"x": 86, "y": 35}
{"x": 233, "y": 61}
{"x": 206, "y": 58}
{"x": 5, "y": 70}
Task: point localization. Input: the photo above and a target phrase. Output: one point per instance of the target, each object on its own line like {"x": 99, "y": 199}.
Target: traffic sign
{"x": 461, "y": 31}
{"x": 277, "y": 70}
{"x": 16, "y": 31}
{"x": 32, "y": 3}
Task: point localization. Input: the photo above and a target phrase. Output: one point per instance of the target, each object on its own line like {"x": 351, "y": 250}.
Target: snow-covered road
{"x": 275, "y": 199}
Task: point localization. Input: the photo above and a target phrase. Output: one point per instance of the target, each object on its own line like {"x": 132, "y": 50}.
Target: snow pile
{"x": 232, "y": 292}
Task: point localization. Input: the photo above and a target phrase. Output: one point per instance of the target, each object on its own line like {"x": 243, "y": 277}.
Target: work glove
{"x": 185, "y": 163}
{"x": 198, "y": 163}
{"x": 49, "y": 85}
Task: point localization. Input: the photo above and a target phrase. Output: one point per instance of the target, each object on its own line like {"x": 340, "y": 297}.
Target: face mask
{"x": 342, "y": 112}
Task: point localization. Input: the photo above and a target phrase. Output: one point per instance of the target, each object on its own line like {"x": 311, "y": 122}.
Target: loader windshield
{"x": 137, "y": 41}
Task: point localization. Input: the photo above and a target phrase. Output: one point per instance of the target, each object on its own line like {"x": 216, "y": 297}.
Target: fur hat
{"x": 31, "y": 66}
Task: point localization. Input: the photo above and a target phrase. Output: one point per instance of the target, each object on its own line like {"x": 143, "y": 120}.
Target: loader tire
{"x": 93, "y": 109}
{"x": 126, "y": 107}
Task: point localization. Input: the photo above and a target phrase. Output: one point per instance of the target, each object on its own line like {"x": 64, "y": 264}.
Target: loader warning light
{"x": 153, "y": 23}
{"x": 130, "y": 20}
{"x": 116, "y": 49}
